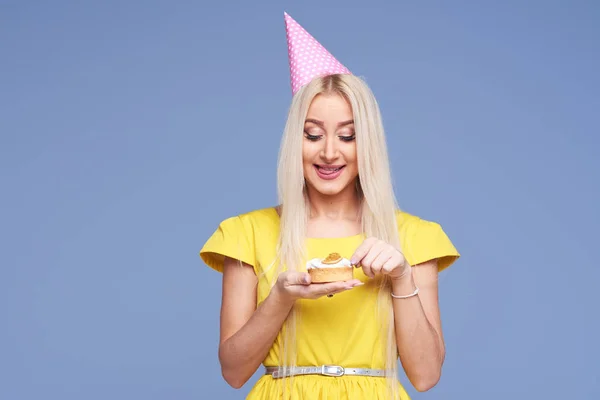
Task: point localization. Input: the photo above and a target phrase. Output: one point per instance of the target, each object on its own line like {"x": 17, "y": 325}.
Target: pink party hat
{"x": 308, "y": 58}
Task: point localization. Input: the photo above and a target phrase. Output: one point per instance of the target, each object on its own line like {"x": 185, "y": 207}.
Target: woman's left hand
{"x": 378, "y": 257}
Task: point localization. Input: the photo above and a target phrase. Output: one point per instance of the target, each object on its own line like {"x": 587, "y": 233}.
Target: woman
{"x": 337, "y": 340}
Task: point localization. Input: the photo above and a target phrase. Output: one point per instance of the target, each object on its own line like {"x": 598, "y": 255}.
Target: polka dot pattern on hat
{"x": 308, "y": 58}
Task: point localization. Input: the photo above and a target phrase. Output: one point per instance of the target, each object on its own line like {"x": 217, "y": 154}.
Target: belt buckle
{"x": 332, "y": 370}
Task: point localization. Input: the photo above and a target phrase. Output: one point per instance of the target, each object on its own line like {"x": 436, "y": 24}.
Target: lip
{"x": 329, "y": 176}
{"x": 329, "y": 166}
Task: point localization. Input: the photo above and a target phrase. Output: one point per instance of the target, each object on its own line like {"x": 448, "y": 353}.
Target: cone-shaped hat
{"x": 308, "y": 58}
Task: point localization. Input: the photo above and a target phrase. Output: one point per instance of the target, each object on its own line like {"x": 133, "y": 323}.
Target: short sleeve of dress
{"x": 428, "y": 241}
{"x": 231, "y": 239}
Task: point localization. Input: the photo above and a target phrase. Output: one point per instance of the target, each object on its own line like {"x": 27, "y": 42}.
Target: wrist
{"x": 405, "y": 276}
{"x": 281, "y": 299}
{"x": 404, "y": 289}
{"x": 404, "y": 283}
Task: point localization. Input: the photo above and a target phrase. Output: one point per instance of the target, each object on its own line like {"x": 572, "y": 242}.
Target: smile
{"x": 329, "y": 172}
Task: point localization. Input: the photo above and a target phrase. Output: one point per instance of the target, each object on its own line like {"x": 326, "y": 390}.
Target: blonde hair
{"x": 374, "y": 188}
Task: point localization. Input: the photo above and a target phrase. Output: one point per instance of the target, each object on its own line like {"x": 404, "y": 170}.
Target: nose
{"x": 329, "y": 151}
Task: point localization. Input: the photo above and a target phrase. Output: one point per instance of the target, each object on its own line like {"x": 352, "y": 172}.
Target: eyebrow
{"x": 320, "y": 123}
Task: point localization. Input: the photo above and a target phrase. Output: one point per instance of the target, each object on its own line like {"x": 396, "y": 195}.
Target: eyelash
{"x": 314, "y": 138}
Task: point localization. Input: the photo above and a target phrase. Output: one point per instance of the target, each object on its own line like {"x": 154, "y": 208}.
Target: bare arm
{"x": 247, "y": 331}
{"x": 418, "y": 326}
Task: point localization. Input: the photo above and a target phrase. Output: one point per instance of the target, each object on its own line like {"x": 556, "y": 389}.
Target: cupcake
{"x": 333, "y": 268}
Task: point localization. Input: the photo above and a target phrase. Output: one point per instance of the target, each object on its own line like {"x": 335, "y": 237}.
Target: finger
{"x": 333, "y": 287}
{"x": 373, "y": 253}
{"x": 322, "y": 289}
{"x": 383, "y": 257}
{"x": 297, "y": 278}
{"x": 399, "y": 266}
{"x": 349, "y": 285}
{"x": 367, "y": 270}
{"x": 362, "y": 250}
{"x": 390, "y": 265}
{"x": 403, "y": 260}
{"x": 367, "y": 261}
{"x": 336, "y": 292}
{"x": 353, "y": 283}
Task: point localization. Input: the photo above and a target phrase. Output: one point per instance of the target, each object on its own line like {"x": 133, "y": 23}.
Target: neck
{"x": 342, "y": 206}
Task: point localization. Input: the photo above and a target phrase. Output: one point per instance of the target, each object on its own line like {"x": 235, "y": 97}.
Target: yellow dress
{"x": 341, "y": 330}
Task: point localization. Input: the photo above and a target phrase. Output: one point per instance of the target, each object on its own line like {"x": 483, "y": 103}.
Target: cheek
{"x": 351, "y": 155}
{"x": 305, "y": 155}
{"x": 354, "y": 157}
{"x": 308, "y": 152}
{"x": 352, "y": 161}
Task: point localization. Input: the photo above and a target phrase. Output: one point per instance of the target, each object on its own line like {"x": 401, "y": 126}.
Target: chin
{"x": 330, "y": 189}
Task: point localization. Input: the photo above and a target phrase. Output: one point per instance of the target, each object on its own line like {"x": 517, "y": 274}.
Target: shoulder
{"x": 259, "y": 219}
{"x": 255, "y": 224}
{"x": 410, "y": 224}
{"x": 236, "y": 237}
{"x": 423, "y": 240}
{"x": 250, "y": 221}
{"x": 406, "y": 220}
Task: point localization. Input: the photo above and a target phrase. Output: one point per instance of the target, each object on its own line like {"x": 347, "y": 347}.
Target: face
{"x": 329, "y": 146}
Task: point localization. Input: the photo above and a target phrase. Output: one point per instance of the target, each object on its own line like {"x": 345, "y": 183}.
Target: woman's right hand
{"x": 292, "y": 285}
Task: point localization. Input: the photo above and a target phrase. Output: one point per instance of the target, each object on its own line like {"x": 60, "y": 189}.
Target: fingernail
{"x": 354, "y": 285}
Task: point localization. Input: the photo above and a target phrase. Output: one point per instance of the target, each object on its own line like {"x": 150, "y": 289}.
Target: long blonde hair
{"x": 375, "y": 191}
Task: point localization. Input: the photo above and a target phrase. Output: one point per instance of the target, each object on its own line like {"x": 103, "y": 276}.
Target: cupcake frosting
{"x": 318, "y": 263}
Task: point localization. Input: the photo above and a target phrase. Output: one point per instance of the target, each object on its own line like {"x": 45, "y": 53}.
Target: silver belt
{"x": 327, "y": 370}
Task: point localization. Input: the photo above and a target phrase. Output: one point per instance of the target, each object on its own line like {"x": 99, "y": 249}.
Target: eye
{"x": 312, "y": 138}
{"x": 348, "y": 138}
